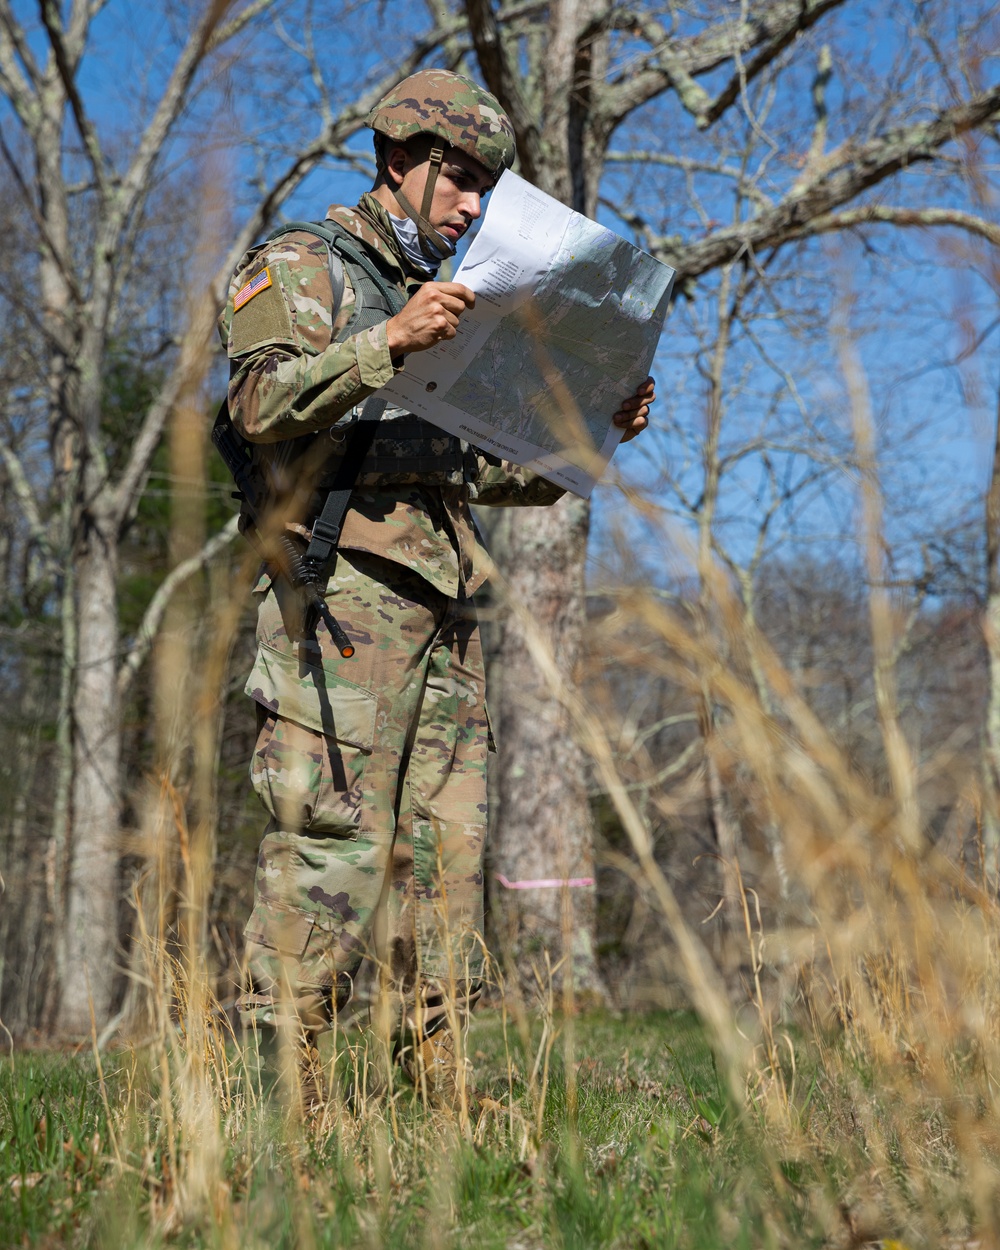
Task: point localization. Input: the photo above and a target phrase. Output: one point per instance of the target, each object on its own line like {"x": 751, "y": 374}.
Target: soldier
{"x": 373, "y": 768}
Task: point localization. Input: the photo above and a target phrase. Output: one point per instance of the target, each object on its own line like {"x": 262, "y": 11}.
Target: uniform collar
{"x": 371, "y": 223}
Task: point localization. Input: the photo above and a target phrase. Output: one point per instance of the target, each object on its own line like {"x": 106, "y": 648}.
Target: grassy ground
{"x": 655, "y": 1152}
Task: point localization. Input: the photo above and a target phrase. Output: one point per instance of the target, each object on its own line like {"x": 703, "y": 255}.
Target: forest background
{"x": 803, "y": 550}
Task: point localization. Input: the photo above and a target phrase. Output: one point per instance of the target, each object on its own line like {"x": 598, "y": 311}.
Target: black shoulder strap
{"x": 326, "y": 527}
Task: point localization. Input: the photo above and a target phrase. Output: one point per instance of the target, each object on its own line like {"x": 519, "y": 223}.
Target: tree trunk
{"x": 991, "y": 626}
{"x": 91, "y": 949}
{"x": 544, "y": 829}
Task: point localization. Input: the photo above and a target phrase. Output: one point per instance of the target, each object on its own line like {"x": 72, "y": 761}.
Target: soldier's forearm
{"x": 277, "y": 395}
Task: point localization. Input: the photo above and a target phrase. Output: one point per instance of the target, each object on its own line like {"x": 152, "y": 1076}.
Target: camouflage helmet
{"x": 450, "y": 107}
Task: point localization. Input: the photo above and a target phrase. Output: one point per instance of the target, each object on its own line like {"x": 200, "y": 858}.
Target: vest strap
{"x": 322, "y": 550}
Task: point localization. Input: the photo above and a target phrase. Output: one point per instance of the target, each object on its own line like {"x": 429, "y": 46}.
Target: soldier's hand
{"x": 633, "y": 415}
{"x": 430, "y": 316}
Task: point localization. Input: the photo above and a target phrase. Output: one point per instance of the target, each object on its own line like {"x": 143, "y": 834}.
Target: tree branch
{"x": 672, "y": 72}
{"x": 233, "y": 27}
{"x": 136, "y": 179}
{"x": 132, "y": 479}
{"x": 921, "y": 217}
{"x": 63, "y": 342}
{"x": 26, "y": 498}
{"x": 124, "y": 202}
{"x": 809, "y": 15}
{"x": 505, "y": 81}
{"x": 67, "y": 74}
{"x": 153, "y": 616}
{"x": 75, "y": 39}
{"x": 13, "y": 48}
{"x": 848, "y": 172}
{"x": 674, "y": 64}
{"x": 817, "y": 145}
{"x": 690, "y": 165}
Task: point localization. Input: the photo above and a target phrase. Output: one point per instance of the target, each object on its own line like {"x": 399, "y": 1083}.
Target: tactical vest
{"x": 405, "y": 449}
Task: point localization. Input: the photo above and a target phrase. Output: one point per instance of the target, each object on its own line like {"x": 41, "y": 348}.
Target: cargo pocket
{"x": 316, "y": 738}
{"x": 284, "y": 930}
{"x": 291, "y": 958}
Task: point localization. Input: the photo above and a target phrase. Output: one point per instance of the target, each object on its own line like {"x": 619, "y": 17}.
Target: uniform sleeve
{"x": 504, "y": 484}
{"x": 290, "y": 376}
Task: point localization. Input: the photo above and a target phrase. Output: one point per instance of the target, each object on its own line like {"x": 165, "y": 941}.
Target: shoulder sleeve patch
{"x": 260, "y": 318}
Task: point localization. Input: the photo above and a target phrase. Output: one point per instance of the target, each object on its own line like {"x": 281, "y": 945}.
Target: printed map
{"x": 568, "y": 315}
{"x": 592, "y": 324}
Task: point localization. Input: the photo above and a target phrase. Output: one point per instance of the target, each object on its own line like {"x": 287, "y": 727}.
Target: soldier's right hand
{"x": 430, "y": 316}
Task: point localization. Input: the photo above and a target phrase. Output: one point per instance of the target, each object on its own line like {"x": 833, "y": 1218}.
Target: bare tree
{"x": 86, "y": 194}
{"x": 575, "y": 73}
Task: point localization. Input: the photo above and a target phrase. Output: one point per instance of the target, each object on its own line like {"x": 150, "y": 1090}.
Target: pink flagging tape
{"x": 546, "y": 883}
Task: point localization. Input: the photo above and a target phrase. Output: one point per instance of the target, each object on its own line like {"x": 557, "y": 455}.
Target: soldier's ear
{"x": 397, "y": 162}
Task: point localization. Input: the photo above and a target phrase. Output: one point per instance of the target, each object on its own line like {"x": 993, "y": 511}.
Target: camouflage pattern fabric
{"x": 373, "y": 771}
{"x": 453, "y": 107}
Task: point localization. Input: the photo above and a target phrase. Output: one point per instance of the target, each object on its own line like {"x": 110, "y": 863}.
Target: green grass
{"x": 53, "y": 1149}
{"x": 655, "y": 1155}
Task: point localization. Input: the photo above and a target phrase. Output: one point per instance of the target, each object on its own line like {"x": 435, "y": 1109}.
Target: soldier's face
{"x": 458, "y": 193}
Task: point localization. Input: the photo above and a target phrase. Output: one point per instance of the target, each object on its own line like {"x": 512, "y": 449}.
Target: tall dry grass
{"x": 857, "y": 1044}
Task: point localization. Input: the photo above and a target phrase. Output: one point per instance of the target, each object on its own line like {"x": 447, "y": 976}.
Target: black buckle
{"x": 325, "y": 532}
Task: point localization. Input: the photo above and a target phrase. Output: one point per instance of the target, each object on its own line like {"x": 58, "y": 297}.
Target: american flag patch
{"x": 252, "y": 288}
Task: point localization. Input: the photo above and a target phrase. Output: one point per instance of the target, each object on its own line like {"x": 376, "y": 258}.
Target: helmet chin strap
{"x": 433, "y": 245}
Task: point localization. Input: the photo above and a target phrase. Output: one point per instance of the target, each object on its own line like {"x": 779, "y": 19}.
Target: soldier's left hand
{"x": 633, "y": 416}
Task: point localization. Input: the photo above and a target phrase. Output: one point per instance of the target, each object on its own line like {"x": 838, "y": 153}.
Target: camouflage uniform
{"x": 373, "y": 769}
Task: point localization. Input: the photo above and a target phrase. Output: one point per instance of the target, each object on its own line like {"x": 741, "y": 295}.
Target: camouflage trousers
{"x": 373, "y": 770}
